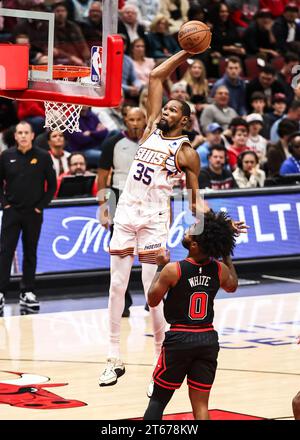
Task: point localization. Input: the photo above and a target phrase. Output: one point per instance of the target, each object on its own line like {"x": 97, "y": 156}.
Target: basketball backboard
{"x": 54, "y": 39}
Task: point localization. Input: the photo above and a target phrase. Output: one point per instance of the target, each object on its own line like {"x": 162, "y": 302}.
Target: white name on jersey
{"x": 202, "y": 280}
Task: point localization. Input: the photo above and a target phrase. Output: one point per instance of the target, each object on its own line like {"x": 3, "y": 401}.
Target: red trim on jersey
{"x": 122, "y": 252}
{"x": 198, "y": 389}
{"x": 178, "y": 270}
{"x": 164, "y": 386}
{"x": 150, "y": 260}
{"x": 205, "y": 385}
{"x": 187, "y": 329}
{"x": 190, "y": 260}
{"x": 159, "y": 371}
{"x": 192, "y": 326}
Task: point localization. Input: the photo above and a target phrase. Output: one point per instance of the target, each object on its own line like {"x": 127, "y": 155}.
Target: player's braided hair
{"x": 218, "y": 236}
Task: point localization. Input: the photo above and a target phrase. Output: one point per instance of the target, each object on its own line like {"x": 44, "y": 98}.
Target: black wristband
{"x": 160, "y": 267}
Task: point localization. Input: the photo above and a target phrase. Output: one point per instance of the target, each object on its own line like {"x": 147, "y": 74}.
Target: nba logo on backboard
{"x": 96, "y": 64}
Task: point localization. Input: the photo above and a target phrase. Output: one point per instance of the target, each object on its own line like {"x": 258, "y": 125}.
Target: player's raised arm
{"x": 155, "y": 87}
{"x": 165, "y": 278}
{"x": 162, "y": 282}
{"x": 228, "y": 277}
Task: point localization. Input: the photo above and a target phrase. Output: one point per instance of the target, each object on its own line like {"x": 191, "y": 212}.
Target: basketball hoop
{"x": 64, "y": 116}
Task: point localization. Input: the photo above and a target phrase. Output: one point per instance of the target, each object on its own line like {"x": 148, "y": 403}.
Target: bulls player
{"x": 191, "y": 345}
{"x": 141, "y": 221}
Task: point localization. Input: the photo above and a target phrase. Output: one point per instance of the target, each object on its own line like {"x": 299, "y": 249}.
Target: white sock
{"x": 156, "y": 313}
{"x": 120, "y": 269}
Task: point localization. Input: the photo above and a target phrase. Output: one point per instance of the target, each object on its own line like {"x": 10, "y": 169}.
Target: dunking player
{"x": 191, "y": 345}
{"x": 141, "y": 221}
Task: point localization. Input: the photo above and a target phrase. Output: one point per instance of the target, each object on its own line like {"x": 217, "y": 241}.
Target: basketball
{"x": 194, "y": 36}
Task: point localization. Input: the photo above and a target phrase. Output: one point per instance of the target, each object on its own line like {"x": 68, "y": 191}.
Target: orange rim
{"x": 62, "y": 71}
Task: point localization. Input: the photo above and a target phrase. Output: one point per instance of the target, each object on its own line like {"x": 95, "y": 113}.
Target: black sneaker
{"x": 126, "y": 313}
{"x": 28, "y": 300}
{"x": 2, "y": 302}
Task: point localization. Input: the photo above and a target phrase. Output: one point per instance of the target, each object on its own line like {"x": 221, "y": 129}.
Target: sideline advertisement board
{"x": 73, "y": 240}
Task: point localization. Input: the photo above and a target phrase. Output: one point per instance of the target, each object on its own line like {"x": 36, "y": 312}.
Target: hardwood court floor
{"x": 258, "y": 374}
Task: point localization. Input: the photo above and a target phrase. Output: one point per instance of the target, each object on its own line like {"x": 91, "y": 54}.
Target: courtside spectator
{"x": 70, "y": 46}
{"x": 179, "y": 91}
{"x": 213, "y": 137}
{"x": 278, "y": 152}
{"x": 255, "y": 141}
{"x": 77, "y": 167}
{"x": 129, "y": 25}
{"x": 131, "y": 85}
{"x": 258, "y": 103}
{"x": 235, "y": 84}
{"x": 142, "y": 64}
{"x": 217, "y": 175}
{"x": 176, "y": 13}
{"x": 287, "y": 29}
{"x": 226, "y": 40}
{"x": 160, "y": 42}
{"x": 286, "y": 74}
{"x": 248, "y": 174}
{"x": 279, "y": 107}
{"x": 293, "y": 114}
{"x": 91, "y": 25}
{"x": 89, "y": 139}
{"x": 56, "y": 142}
{"x": 147, "y": 11}
{"x": 259, "y": 39}
{"x": 77, "y": 9}
{"x": 219, "y": 111}
{"x": 265, "y": 83}
{"x": 196, "y": 84}
{"x": 292, "y": 164}
{"x": 239, "y": 139}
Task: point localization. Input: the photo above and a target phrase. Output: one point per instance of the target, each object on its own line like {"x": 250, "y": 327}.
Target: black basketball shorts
{"x": 199, "y": 364}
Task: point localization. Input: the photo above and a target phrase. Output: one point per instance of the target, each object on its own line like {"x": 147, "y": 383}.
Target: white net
{"x": 62, "y": 116}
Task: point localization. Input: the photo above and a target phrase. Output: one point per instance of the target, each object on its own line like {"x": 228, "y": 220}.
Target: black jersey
{"x": 190, "y": 302}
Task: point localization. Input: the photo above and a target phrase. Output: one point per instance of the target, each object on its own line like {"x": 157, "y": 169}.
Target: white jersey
{"x": 149, "y": 182}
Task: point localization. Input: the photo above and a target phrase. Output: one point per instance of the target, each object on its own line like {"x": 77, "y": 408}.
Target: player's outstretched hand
{"x": 239, "y": 227}
{"x": 162, "y": 257}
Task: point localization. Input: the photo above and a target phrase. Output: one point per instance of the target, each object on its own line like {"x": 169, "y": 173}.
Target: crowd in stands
{"x": 244, "y": 91}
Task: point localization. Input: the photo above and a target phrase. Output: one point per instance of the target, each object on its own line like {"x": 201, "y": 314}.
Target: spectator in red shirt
{"x": 239, "y": 138}
{"x": 275, "y": 6}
